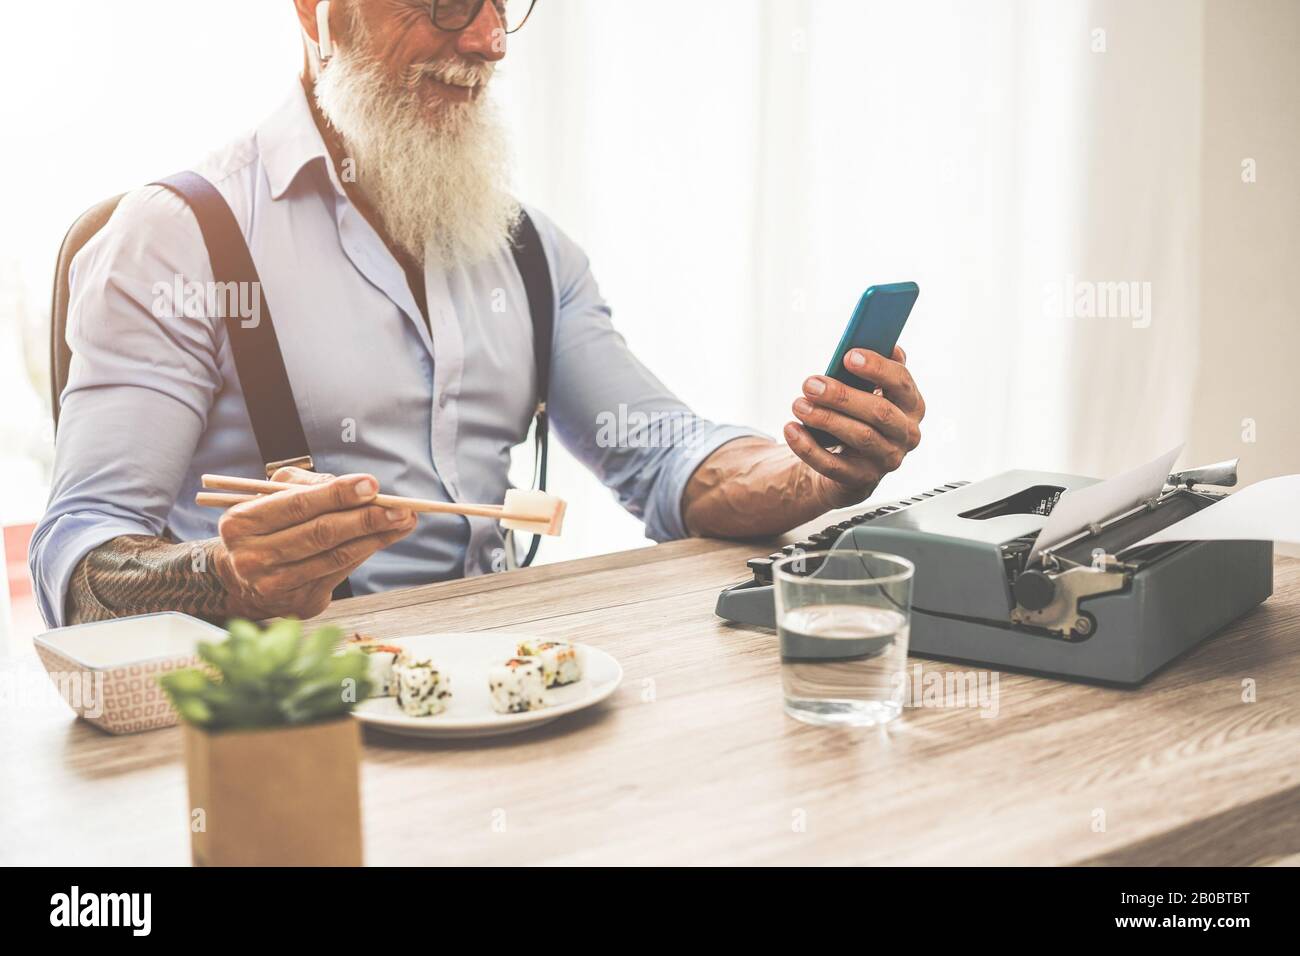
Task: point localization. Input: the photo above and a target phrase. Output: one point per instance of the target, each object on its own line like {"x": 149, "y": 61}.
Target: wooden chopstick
{"x": 252, "y": 487}
{"x": 207, "y": 499}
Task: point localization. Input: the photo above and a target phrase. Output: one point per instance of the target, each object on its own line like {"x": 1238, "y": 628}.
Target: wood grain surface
{"x": 692, "y": 760}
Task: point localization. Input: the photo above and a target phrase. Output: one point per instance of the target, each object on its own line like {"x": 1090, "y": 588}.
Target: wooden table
{"x": 693, "y": 761}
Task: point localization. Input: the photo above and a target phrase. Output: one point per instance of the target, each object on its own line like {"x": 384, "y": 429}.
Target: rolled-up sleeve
{"x": 141, "y": 383}
{"x": 616, "y": 417}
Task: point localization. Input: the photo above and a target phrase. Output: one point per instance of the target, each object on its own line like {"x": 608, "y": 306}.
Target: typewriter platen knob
{"x": 1034, "y": 590}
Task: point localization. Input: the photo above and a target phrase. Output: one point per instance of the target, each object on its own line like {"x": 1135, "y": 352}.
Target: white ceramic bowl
{"x": 108, "y": 671}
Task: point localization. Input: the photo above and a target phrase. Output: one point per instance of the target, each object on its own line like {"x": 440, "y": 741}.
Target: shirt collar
{"x": 289, "y": 142}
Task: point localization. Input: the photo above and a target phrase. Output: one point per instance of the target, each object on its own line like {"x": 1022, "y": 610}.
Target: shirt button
{"x": 442, "y": 400}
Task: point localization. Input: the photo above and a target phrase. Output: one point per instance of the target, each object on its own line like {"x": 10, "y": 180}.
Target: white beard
{"x": 439, "y": 182}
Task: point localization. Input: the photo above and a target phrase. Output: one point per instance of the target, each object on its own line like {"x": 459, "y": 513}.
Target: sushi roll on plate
{"x": 517, "y": 685}
{"x": 381, "y": 658}
{"x": 561, "y": 662}
{"x": 422, "y": 688}
{"x": 497, "y": 689}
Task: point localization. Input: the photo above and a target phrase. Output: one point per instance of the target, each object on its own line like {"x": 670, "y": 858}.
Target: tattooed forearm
{"x": 139, "y": 574}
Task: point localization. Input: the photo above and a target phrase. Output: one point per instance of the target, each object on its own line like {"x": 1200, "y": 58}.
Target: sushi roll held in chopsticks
{"x": 381, "y": 658}
{"x": 422, "y": 688}
{"x": 517, "y": 685}
{"x": 561, "y": 662}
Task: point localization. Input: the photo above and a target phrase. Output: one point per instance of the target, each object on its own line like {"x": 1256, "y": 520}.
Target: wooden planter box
{"x": 284, "y": 796}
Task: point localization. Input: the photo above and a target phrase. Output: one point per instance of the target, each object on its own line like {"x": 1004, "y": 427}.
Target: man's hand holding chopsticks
{"x": 283, "y": 554}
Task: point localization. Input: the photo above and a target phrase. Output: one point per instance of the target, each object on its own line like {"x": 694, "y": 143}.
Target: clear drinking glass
{"x": 843, "y": 619}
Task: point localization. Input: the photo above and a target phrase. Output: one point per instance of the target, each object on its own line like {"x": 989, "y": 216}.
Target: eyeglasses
{"x": 456, "y": 15}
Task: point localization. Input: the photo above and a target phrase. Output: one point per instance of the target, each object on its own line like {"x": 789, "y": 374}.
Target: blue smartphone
{"x": 876, "y": 325}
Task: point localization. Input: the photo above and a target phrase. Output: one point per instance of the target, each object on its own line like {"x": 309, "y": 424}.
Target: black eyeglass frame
{"x": 477, "y": 9}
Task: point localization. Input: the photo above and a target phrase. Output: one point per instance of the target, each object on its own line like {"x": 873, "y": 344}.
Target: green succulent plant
{"x": 269, "y": 678}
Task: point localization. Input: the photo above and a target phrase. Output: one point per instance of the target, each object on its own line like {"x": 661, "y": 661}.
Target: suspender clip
{"x": 302, "y": 461}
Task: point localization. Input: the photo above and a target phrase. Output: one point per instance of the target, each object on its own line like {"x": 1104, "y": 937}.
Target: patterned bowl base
{"x": 120, "y": 700}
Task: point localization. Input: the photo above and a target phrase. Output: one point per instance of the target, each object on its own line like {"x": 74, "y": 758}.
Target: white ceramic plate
{"x": 466, "y": 658}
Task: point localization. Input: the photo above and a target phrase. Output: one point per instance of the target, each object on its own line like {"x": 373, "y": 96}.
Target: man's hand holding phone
{"x": 876, "y": 429}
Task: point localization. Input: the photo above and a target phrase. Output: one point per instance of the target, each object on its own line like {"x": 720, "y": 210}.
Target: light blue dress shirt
{"x": 153, "y": 403}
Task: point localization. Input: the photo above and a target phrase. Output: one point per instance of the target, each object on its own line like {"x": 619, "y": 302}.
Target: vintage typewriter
{"x": 1090, "y": 608}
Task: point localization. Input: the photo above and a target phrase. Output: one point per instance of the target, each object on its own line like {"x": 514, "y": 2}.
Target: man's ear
{"x": 307, "y": 17}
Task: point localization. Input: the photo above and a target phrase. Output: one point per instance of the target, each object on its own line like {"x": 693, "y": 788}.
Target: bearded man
{"x": 376, "y": 207}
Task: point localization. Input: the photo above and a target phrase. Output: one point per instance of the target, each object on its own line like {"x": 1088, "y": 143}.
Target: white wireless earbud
{"x": 323, "y": 30}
